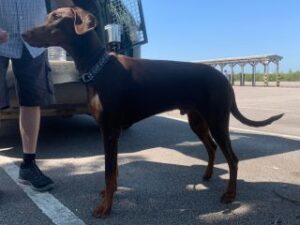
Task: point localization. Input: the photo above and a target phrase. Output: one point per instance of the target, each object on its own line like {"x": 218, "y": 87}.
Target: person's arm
{"x": 63, "y": 3}
{"x": 3, "y": 36}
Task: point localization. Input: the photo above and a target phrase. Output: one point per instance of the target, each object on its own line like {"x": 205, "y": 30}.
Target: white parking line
{"x": 243, "y": 130}
{"x": 50, "y": 206}
{"x": 266, "y": 133}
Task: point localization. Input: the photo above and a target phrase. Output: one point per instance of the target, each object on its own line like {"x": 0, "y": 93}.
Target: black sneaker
{"x": 32, "y": 175}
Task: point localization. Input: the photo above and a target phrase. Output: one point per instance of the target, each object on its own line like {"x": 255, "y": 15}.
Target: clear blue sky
{"x": 189, "y": 30}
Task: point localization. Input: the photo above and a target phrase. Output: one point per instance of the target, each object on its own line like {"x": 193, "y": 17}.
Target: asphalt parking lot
{"x": 160, "y": 167}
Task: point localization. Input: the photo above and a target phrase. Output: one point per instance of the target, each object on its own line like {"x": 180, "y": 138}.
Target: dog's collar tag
{"x": 89, "y": 76}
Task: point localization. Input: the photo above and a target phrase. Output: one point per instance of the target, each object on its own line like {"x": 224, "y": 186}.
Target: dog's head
{"x": 61, "y": 27}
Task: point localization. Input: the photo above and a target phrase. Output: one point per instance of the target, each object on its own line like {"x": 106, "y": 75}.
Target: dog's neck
{"x": 86, "y": 50}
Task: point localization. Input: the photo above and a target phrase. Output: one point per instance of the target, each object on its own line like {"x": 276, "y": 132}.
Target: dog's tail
{"x": 238, "y": 115}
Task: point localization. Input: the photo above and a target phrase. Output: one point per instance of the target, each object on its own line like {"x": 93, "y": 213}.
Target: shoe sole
{"x": 43, "y": 189}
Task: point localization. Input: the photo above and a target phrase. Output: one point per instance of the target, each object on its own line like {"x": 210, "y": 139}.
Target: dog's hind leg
{"x": 200, "y": 128}
{"x": 220, "y": 132}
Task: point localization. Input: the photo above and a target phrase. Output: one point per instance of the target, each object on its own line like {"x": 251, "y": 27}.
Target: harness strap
{"x": 95, "y": 70}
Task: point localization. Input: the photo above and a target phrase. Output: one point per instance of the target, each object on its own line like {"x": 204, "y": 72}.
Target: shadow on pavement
{"x": 80, "y": 137}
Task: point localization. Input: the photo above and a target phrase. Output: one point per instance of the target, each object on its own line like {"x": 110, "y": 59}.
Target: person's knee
{"x": 29, "y": 109}
{"x": 29, "y": 116}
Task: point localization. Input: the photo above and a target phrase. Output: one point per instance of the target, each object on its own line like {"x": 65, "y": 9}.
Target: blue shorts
{"x": 33, "y": 83}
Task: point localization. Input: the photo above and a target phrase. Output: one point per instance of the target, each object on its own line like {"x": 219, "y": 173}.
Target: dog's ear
{"x": 83, "y": 21}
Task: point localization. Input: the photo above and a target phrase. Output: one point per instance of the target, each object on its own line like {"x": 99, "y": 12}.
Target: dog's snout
{"x": 25, "y": 36}
{"x": 31, "y": 38}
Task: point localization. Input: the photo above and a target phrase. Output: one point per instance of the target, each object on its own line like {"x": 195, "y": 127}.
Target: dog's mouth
{"x": 28, "y": 38}
{"x": 32, "y": 41}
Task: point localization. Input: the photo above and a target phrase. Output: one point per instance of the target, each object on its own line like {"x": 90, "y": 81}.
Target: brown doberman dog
{"x": 124, "y": 90}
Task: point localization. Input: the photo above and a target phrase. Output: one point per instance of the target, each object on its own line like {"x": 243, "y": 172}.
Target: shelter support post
{"x": 266, "y": 73}
{"x": 232, "y": 74}
{"x": 253, "y": 73}
{"x": 277, "y": 74}
{"x": 242, "y": 77}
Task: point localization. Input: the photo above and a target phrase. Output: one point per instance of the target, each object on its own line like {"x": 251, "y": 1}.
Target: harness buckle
{"x": 87, "y": 77}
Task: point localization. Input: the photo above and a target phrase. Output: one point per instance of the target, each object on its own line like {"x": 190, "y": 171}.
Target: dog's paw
{"x": 206, "y": 176}
{"x": 208, "y": 173}
{"x": 228, "y": 197}
{"x": 102, "y": 193}
{"x": 102, "y": 211}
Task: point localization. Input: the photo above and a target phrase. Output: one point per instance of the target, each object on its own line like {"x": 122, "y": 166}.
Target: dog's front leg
{"x": 110, "y": 139}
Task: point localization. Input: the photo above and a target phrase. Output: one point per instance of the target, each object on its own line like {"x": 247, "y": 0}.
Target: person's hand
{"x": 3, "y": 36}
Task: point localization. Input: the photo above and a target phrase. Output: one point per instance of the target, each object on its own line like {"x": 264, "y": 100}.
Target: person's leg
{"x": 34, "y": 90}
{"x": 29, "y": 123}
{"x": 4, "y": 101}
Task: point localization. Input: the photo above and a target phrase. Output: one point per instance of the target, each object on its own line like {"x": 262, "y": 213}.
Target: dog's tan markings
{"x": 94, "y": 103}
{"x": 102, "y": 192}
{"x": 83, "y": 21}
{"x": 104, "y": 208}
{"x": 200, "y": 128}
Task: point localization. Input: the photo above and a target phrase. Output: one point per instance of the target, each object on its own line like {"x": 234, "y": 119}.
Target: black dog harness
{"x": 96, "y": 69}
